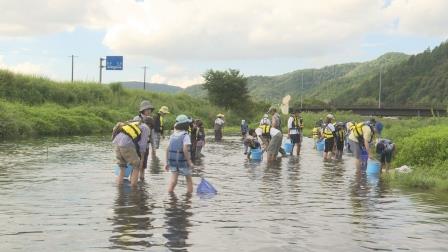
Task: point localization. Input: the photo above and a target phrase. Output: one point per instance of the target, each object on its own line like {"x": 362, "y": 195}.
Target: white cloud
{"x": 176, "y": 75}
{"x": 232, "y": 29}
{"x": 24, "y": 67}
{"x": 31, "y": 17}
{"x": 203, "y": 29}
{"x": 420, "y": 17}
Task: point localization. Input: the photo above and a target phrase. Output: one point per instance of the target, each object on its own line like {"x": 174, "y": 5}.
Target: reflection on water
{"x": 177, "y": 214}
{"x": 59, "y": 194}
{"x": 132, "y": 218}
{"x": 155, "y": 166}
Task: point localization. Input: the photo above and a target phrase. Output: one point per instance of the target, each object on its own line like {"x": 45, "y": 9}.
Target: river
{"x": 59, "y": 194}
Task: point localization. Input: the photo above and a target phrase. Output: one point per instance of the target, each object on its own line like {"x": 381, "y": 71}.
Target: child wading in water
{"x": 178, "y": 158}
{"x": 251, "y": 143}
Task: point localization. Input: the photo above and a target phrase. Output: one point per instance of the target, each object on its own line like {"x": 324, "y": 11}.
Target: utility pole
{"x": 73, "y": 61}
{"x": 101, "y": 69}
{"x": 301, "y": 94}
{"x": 144, "y": 77}
{"x": 379, "y": 91}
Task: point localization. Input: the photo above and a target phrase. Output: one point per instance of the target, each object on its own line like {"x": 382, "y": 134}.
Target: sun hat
{"x": 144, "y": 105}
{"x": 180, "y": 119}
{"x": 220, "y": 115}
{"x": 164, "y": 109}
{"x": 330, "y": 116}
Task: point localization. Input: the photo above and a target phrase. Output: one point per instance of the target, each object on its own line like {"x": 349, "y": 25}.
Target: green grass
{"x": 34, "y": 106}
{"x": 425, "y": 149}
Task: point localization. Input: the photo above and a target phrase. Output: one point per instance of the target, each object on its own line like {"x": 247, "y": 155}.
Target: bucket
{"x": 288, "y": 147}
{"x": 256, "y": 154}
{"x": 373, "y": 167}
{"x": 373, "y": 179}
{"x": 320, "y": 145}
{"x": 127, "y": 171}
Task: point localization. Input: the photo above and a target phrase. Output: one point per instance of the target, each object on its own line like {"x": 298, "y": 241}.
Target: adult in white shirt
{"x": 271, "y": 137}
{"x": 295, "y": 125}
{"x": 219, "y": 125}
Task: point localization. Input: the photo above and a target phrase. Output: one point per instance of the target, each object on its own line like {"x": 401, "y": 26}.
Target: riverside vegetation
{"x": 35, "y": 106}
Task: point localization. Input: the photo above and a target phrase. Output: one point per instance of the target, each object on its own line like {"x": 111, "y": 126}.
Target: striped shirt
{"x": 123, "y": 140}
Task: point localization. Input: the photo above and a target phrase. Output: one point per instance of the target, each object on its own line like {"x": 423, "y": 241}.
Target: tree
{"x": 227, "y": 89}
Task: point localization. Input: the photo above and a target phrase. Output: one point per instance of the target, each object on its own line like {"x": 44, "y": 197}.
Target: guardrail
{"x": 383, "y": 111}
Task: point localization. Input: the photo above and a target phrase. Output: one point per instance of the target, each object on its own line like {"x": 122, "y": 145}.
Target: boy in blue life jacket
{"x": 178, "y": 155}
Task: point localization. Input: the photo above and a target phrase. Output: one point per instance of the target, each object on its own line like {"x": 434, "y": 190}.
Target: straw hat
{"x": 220, "y": 115}
{"x": 164, "y": 109}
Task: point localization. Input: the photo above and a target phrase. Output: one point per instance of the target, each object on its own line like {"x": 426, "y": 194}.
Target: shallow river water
{"x": 59, "y": 194}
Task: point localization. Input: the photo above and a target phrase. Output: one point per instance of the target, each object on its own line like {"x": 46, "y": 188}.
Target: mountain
{"x": 196, "y": 91}
{"x": 153, "y": 87}
{"x": 421, "y": 80}
{"x": 417, "y": 80}
{"x": 355, "y": 77}
{"x": 321, "y": 84}
{"x": 273, "y": 88}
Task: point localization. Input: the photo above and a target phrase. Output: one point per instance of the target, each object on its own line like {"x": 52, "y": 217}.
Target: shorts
{"x": 355, "y": 148}
{"x": 127, "y": 155}
{"x": 275, "y": 144}
{"x": 155, "y": 139}
{"x": 182, "y": 170}
{"x": 295, "y": 138}
{"x": 329, "y": 144}
{"x": 340, "y": 145}
{"x": 386, "y": 157}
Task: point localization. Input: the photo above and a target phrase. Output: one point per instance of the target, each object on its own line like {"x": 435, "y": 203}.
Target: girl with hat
{"x": 178, "y": 155}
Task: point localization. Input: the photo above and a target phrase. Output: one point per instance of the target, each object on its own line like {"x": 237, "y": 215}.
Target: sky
{"x": 180, "y": 39}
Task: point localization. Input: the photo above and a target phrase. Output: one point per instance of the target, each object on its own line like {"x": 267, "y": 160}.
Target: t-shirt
{"x": 384, "y": 146}
{"x": 123, "y": 140}
{"x": 330, "y": 126}
{"x": 272, "y": 132}
{"x": 366, "y": 134}
{"x": 265, "y": 121}
{"x": 293, "y": 131}
{"x": 219, "y": 123}
{"x": 187, "y": 139}
{"x": 276, "y": 121}
{"x": 379, "y": 127}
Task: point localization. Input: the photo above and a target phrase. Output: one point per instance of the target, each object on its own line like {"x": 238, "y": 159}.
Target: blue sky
{"x": 180, "y": 40}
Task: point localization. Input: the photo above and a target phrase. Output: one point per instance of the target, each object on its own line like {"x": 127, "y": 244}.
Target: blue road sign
{"x": 114, "y": 62}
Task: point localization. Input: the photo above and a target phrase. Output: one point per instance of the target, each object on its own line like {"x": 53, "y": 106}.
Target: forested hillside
{"x": 422, "y": 80}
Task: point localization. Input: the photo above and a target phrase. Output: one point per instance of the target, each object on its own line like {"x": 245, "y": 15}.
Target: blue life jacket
{"x": 176, "y": 157}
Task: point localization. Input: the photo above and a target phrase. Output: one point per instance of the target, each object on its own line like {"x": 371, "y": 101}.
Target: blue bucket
{"x": 256, "y": 154}
{"x": 288, "y": 147}
{"x": 320, "y": 146}
{"x": 373, "y": 167}
{"x": 127, "y": 171}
